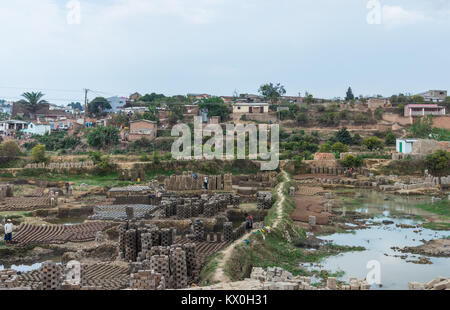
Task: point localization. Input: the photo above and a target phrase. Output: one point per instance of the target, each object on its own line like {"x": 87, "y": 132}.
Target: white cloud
{"x": 397, "y": 15}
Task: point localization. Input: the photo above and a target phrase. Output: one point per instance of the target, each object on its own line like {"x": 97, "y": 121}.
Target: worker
{"x": 67, "y": 188}
{"x": 205, "y": 182}
{"x": 249, "y": 220}
{"x": 8, "y": 231}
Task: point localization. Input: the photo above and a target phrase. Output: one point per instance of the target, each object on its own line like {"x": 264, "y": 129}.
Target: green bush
{"x": 352, "y": 161}
{"x": 38, "y": 154}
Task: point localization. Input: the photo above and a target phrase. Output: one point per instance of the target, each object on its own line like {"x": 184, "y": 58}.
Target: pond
{"x": 379, "y": 238}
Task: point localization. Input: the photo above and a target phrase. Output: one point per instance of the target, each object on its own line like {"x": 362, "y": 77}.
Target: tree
{"x": 152, "y": 97}
{"x": 423, "y": 127}
{"x": 446, "y": 103}
{"x": 438, "y": 163}
{"x": 103, "y": 137}
{"x": 102, "y": 162}
{"x": 339, "y": 147}
{"x": 151, "y": 114}
{"x": 32, "y": 101}
{"x": 272, "y": 92}
{"x": 373, "y": 143}
{"x": 215, "y": 107}
{"x": 343, "y": 136}
{"x": 38, "y": 154}
{"x": 120, "y": 120}
{"x": 97, "y": 106}
{"x": 176, "y": 112}
{"x": 9, "y": 150}
{"x": 390, "y": 138}
{"x": 352, "y": 161}
{"x": 76, "y": 106}
{"x": 349, "y": 96}
{"x": 379, "y": 113}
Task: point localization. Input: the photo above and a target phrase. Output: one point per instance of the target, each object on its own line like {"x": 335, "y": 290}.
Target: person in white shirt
{"x": 8, "y": 231}
{"x": 205, "y": 182}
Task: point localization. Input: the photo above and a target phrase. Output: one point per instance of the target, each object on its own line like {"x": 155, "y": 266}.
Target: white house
{"x": 405, "y": 146}
{"x": 37, "y": 129}
{"x": 251, "y": 107}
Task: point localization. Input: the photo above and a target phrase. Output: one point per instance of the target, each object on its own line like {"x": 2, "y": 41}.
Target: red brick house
{"x": 142, "y": 129}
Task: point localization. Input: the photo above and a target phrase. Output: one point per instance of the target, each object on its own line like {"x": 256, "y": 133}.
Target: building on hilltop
{"x": 35, "y": 129}
{"x": 412, "y": 110}
{"x": 250, "y": 108}
{"x": 434, "y": 95}
{"x": 142, "y": 129}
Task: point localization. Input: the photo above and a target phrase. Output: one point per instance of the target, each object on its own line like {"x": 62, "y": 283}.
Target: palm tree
{"x": 33, "y": 100}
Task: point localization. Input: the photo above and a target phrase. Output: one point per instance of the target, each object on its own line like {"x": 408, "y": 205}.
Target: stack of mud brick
{"x": 191, "y": 259}
{"x": 167, "y": 236}
{"x": 235, "y": 201}
{"x": 210, "y": 209}
{"x": 199, "y": 230}
{"x": 147, "y": 280}
{"x": 8, "y": 279}
{"x": 214, "y": 237}
{"x": 178, "y": 267}
{"x": 168, "y": 207}
{"x": 6, "y": 190}
{"x": 228, "y": 183}
{"x": 220, "y": 220}
{"x": 161, "y": 264}
{"x": 136, "y": 241}
{"x": 51, "y": 276}
{"x": 228, "y": 231}
{"x": 240, "y": 231}
{"x": 130, "y": 245}
{"x": 265, "y": 200}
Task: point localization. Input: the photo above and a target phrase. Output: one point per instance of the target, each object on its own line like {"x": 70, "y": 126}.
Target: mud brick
{"x": 228, "y": 231}
{"x": 199, "y": 230}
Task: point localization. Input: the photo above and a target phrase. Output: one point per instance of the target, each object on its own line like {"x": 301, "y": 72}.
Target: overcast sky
{"x": 219, "y": 46}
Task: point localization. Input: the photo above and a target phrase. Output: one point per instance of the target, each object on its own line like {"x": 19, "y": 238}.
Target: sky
{"x": 117, "y": 47}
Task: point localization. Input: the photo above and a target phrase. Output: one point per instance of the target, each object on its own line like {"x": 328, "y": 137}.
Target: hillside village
{"x": 95, "y": 182}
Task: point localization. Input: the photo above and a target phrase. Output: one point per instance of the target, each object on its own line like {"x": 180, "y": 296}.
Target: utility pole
{"x": 85, "y": 105}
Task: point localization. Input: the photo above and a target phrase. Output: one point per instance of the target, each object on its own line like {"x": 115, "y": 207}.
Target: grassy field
{"x": 441, "y": 208}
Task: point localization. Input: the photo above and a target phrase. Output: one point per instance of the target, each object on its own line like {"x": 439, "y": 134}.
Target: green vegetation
{"x": 439, "y": 163}
{"x": 38, "y": 154}
{"x": 209, "y": 269}
{"x": 97, "y": 107}
{"x": 437, "y": 226}
{"x": 406, "y": 166}
{"x": 272, "y": 92}
{"x": 441, "y": 208}
{"x": 9, "y": 150}
{"x": 352, "y": 161}
{"x": 373, "y": 143}
{"x": 56, "y": 141}
{"x": 101, "y": 137}
{"x": 215, "y": 107}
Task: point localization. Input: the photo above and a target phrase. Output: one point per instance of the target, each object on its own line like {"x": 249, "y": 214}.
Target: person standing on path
{"x": 8, "y": 231}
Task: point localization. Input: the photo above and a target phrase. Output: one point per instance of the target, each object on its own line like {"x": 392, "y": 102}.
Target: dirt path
{"x": 220, "y": 275}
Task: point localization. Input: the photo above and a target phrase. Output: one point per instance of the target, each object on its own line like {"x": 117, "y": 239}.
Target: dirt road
{"x": 220, "y": 275}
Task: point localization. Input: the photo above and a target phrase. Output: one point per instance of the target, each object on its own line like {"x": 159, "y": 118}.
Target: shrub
{"x": 38, "y": 154}
{"x": 373, "y": 143}
{"x": 352, "y": 161}
{"x": 9, "y": 149}
{"x": 439, "y": 163}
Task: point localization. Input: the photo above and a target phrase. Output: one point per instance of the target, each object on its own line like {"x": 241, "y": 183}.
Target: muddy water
{"x": 395, "y": 272}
